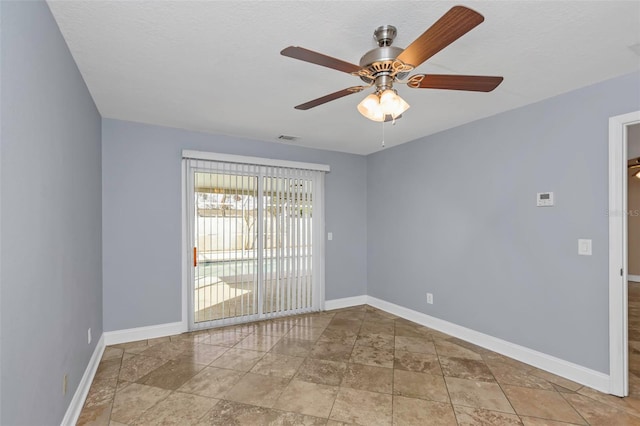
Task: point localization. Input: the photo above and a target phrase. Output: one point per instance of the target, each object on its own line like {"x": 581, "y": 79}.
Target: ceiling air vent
{"x": 288, "y": 138}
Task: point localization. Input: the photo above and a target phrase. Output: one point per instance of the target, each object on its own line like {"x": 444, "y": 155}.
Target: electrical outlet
{"x": 430, "y": 298}
{"x": 64, "y": 384}
{"x": 89, "y": 336}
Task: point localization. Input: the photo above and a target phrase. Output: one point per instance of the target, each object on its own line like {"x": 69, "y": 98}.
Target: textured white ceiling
{"x": 215, "y": 66}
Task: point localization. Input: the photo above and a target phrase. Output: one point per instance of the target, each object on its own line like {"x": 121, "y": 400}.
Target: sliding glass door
{"x": 225, "y": 233}
{"x": 252, "y": 231}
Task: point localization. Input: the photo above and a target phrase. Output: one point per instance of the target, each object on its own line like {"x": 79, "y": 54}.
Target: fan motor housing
{"x": 379, "y": 61}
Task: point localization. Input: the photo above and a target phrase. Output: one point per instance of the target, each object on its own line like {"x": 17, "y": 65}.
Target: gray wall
{"x": 141, "y": 172}
{"x": 454, "y": 214}
{"x": 51, "y": 218}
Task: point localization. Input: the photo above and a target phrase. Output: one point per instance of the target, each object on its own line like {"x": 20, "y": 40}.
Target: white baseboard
{"x": 345, "y": 302}
{"x": 577, "y": 373}
{"x": 634, "y": 278}
{"x": 75, "y": 406}
{"x": 143, "y": 333}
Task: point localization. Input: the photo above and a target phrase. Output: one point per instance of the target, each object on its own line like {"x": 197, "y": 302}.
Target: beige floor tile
{"x": 135, "y": 399}
{"x": 452, "y": 350}
{"x": 307, "y": 398}
{"x": 238, "y": 359}
{"x": 506, "y": 374}
{"x": 95, "y": 415}
{"x": 331, "y": 351}
{"x": 412, "y": 330}
{"x": 419, "y": 362}
{"x": 166, "y": 350}
{"x": 270, "y": 328}
{"x": 541, "y": 403}
{"x": 368, "y": 355}
{"x": 493, "y": 358}
{"x": 202, "y": 354}
{"x": 212, "y": 382}
{"x": 171, "y": 375}
{"x": 376, "y": 340}
{"x": 226, "y": 413}
{"x": 193, "y": 336}
{"x": 419, "y": 385}
{"x": 177, "y": 409}
{"x": 136, "y": 366}
{"x": 465, "y": 368}
{"x": 379, "y": 315}
{"x": 631, "y": 405}
{"x": 164, "y": 339}
{"x": 133, "y": 347}
{"x": 111, "y": 352}
{"x": 414, "y": 344}
{"x": 419, "y": 412}
{"x": 257, "y": 342}
{"x": 286, "y": 418}
{"x": 256, "y": 389}
{"x": 108, "y": 369}
{"x": 362, "y": 407}
{"x": 468, "y": 416}
{"x": 101, "y": 392}
{"x": 338, "y": 335}
{"x": 278, "y": 365}
{"x": 226, "y": 338}
{"x": 561, "y": 389}
{"x": 347, "y": 324}
{"x": 380, "y": 327}
{"x": 557, "y": 380}
{"x": 299, "y": 375}
{"x": 350, "y": 315}
{"x": 292, "y": 347}
{"x": 366, "y": 377}
{"x": 321, "y": 371}
{"x": 472, "y": 393}
{"x": 316, "y": 322}
{"x": 337, "y": 423}
{"x": 305, "y": 333}
{"x": 534, "y": 421}
{"x": 467, "y": 345}
{"x": 600, "y": 414}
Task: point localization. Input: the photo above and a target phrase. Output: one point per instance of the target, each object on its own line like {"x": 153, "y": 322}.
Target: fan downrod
{"x": 385, "y": 34}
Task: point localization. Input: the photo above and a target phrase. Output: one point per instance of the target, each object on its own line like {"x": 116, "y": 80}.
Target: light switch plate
{"x": 584, "y": 247}
{"x": 330, "y": 236}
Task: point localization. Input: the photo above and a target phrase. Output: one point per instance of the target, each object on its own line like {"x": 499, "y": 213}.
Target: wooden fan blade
{"x": 474, "y": 83}
{"x": 452, "y": 25}
{"x": 307, "y": 55}
{"x": 330, "y": 97}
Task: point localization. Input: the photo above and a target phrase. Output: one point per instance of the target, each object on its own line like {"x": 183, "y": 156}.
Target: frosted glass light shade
{"x": 370, "y": 108}
{"x": 376, "y": 107}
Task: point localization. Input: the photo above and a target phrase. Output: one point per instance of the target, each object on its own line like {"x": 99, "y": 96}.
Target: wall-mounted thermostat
{"x": 544, "y": 199}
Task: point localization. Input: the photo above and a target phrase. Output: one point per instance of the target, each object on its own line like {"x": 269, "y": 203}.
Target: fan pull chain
{"x": 383, "y": 133}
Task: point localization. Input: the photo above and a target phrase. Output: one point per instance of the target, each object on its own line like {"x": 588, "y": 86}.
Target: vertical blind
{"x": 258, "y": 248}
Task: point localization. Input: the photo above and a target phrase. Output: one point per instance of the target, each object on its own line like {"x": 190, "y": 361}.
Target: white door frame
{"x": 618, "y": 338}
{"x": 187, "y": 200}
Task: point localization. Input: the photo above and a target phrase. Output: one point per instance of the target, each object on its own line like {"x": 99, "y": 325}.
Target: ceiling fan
{"x": 386, "y": 65}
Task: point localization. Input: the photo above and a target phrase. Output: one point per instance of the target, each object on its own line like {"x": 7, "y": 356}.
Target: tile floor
{"x": 353, "y": 366}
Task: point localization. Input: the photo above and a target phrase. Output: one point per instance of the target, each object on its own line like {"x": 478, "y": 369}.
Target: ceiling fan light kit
{"x": 380, "y": 106}
{"x": 386, "y": 65}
